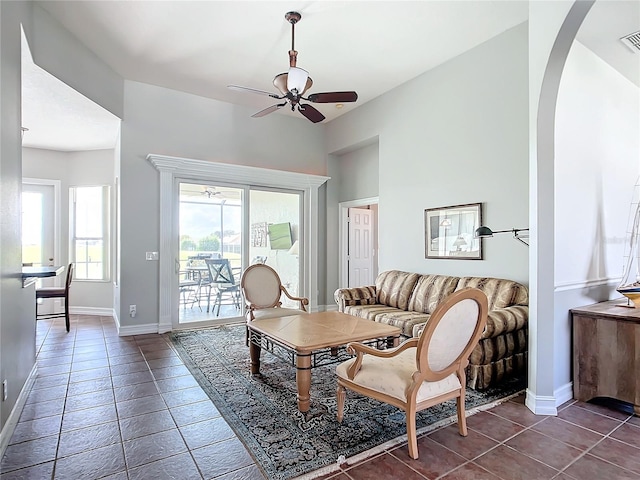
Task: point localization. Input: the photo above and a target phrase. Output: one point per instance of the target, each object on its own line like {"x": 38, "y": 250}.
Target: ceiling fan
{"x": 294, "y": 83}
{"x": 212, "y": 192}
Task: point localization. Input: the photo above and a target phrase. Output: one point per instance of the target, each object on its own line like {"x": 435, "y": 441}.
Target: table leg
{"x": 393, "y": 341}
{"x": 254, "y": 351}
{"x": 303, "y": 380}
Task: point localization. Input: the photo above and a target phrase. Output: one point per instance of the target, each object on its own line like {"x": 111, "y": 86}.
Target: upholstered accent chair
{"x": 423, "y": 371}
{"x": 262, "y": 291}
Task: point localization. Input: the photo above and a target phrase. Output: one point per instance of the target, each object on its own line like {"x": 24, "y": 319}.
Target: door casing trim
{"x": 343, "y": 233}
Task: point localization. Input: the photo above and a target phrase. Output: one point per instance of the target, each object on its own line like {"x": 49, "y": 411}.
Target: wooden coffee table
{"x": 311, "y": 340}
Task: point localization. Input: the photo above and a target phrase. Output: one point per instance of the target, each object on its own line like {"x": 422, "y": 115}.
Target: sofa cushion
{"x": 370, "y": 312}
{"x": 500, "y": 293}
{"x": 429, "y": 291}
{"x": 402, "y": 319}
{"x": 393, "y": 288}
{"x": 405, "y": 321}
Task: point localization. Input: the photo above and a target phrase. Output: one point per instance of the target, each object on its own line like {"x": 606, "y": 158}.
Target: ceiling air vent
{"x": 632, "y": 41}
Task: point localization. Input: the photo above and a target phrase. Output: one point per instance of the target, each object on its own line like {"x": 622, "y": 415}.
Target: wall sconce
{"x": 485, "y": 232}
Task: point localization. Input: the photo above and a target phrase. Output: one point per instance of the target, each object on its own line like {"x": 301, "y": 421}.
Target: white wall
{"x": 454, "y": 135}
{"x": 17, "y": 304}
{"x": 58, "y": 52}
{"x": 94, "y": 167}
{"x": 64, "y": 56}
{"x": 596, "y": 165}
{"x": 354, "y": 175}
{"x": 167, "y": 122}
{"x": 358, "y": 173}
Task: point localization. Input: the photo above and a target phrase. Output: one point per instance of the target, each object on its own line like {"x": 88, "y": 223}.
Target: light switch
{"x": 152, "y": 255}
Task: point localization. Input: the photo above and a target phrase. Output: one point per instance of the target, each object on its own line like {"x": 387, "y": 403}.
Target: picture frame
{"x": 259, "y": 234}
{"x": 449, "y": 232}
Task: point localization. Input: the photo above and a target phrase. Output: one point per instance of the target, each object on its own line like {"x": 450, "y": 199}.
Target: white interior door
{"x": 360, "y": 247}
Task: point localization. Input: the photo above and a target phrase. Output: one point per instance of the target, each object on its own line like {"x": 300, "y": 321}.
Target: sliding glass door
{"x": 219, "y": 234}
{"x": 210, "y": 252}
{"x": 276, "y": 235}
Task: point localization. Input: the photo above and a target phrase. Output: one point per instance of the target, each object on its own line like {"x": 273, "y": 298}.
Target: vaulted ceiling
{"x": 371, "y": 47}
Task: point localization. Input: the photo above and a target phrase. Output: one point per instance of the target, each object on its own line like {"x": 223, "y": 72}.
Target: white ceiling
{"x": 201, "y": 47}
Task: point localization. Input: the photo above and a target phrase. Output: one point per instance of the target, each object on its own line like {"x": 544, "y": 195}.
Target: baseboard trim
{"x": 563, "y": 394}
{"x": 541, "y": 404}
{"x": 14, "y": 416}
{"x": 137, "y": 329}
{"x": 97, "y": 311}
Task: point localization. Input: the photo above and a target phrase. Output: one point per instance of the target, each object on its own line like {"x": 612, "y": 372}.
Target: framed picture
{"x": 448, "y": 232}
{"x": 259, "y": 234}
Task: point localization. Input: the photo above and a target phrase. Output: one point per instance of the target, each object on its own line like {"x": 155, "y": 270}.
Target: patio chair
{"x": 222, "y": 281}
{"x": 423, "y": 371}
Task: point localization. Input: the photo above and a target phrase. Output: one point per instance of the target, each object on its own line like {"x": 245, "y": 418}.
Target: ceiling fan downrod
{"x": 293, "y": 18}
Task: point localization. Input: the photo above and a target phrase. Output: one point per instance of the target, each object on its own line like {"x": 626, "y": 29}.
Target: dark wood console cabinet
{"x": 606, "y": 352}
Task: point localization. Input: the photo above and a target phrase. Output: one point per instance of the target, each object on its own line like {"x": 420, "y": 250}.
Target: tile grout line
{"x": 144, "y": 356}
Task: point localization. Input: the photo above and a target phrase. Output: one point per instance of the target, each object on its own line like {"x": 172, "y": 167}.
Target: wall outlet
{"x": 132, "y": 310}
{"x": 152, "y": 255}
{"x": 5, "y": 391}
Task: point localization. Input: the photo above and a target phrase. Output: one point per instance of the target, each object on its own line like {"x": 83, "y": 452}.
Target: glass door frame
{"x": 176, "y": 301}
{"x": 172, "y": 167}
{"x": 300, "y": 232}
{"x": 56, "y": 184}
{"x": 57, "y": 232}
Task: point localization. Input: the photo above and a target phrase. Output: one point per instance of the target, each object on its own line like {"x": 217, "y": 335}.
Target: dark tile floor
{"x": 118, "y": 408}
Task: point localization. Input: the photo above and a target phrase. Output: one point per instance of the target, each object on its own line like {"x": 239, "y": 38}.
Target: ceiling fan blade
{"x": 268, "y": 110}
{"x": 333, "y": 97}
{"x": 252, "y": 90}
{"x": 311, "y": 113}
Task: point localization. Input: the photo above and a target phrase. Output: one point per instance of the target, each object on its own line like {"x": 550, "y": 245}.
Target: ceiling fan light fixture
{"x": 297, "y": 80}
{"x": 294, "y": 83}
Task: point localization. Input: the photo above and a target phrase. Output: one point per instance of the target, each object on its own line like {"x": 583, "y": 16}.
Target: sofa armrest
{"x": 355, "y": 296}
{"x": 505, "y": 320}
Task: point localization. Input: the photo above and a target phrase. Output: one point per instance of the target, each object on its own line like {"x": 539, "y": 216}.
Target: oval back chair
{"x": 423, "y": 371}
{"x": 262, "y": 291}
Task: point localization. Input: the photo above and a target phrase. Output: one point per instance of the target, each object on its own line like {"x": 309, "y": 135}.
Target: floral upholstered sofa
{"x": 407, "y": 300}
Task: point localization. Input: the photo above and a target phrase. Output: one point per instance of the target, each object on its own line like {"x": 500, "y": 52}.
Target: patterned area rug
{"x": 263, "y": 412}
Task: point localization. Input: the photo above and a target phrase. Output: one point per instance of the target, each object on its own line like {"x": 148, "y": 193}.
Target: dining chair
{"x": 56, "y": 292}
{"x": 223, "y": 283}
{"x": 420, "y": 372}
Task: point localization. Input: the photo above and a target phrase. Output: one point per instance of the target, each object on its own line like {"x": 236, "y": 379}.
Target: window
{"x": 89, "y": 236}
